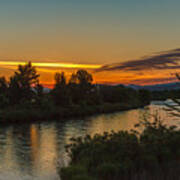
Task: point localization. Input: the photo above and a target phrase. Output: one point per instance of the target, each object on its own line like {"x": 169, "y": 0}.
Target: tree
{"x": 21, "y": 83}
{"x": 144, "y": 96}
{"x": 3, "y": 85}
{"x": 84, "y": 77}
{"x": 60, "y": 79}
{"x": 73, "y": 79}
{"x": 27, "y": 75}
{"x": 39, "y": 94}
{"x": 80, "y": 86}
{"x": 60, "y": 91}
{"x": 4, "y": 101}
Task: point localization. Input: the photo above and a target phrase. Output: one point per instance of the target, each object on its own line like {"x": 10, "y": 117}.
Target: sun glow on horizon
{"x": 48, "y": 69}
{"x": 52, "y": 65}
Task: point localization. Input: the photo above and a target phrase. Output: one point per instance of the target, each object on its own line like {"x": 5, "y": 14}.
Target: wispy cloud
{"x": 154, "y": 80}
{"x": 163, "y": 60}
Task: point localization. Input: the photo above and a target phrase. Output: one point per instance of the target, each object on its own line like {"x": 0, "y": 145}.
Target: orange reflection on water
{"x": 48, "y": 150}
{"x": 34, "y": 141}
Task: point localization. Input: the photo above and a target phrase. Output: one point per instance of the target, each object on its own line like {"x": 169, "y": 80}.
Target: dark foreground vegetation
{"x": 153, "y": 154}
{"x": 23, "y": 98}
{"x": 165, "y": 94}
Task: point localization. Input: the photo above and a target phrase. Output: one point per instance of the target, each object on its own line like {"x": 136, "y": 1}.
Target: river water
{"x": 35, "y": 151}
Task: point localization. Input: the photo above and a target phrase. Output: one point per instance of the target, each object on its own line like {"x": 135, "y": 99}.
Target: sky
{"x": 66, "y": 35}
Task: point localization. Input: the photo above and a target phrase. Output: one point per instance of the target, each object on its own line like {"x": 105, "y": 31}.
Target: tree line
{"x": 23, "y": 91}
{"x": 24, "y": 86}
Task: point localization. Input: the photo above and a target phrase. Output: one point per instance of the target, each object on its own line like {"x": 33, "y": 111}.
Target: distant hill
{"x": 45, "y": 89}
{"x": 157, "y": 87}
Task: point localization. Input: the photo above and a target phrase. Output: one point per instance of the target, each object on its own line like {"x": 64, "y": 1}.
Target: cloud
{"x": 161, "y": 61}
{"x": 147, "y": 81}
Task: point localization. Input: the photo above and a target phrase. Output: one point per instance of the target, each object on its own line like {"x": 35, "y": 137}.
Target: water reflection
{"x": 33, "y": 151}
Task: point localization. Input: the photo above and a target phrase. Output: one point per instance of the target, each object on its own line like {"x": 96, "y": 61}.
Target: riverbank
{"x": 23, "y": 101}
{"x": 28, "y": 115}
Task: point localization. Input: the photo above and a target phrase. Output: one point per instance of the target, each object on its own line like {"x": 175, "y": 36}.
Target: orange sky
{"x": 47, "y": 71}
{"x": 65, "y": 35}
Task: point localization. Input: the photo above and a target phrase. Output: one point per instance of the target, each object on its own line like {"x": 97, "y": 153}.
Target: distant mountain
{"x": 157, "y": 87}
{"x": 45, "y": 89}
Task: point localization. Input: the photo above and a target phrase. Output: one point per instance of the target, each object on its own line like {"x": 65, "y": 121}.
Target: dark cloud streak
{"x": 162, "y": 61}
{"x": 154, "y": 80}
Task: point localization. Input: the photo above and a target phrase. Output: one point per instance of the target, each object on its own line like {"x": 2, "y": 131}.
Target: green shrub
{"x": 73, "y": 172}
{"x": 152, "y": 154}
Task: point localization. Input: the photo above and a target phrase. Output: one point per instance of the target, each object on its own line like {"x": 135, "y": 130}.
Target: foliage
{"x": 76, "y": 96}
{"x": 60, "y": 91}
{"x": 165, "y": 94}
{"x": 144, "y": 96}
{"x": 80, "y": 87}
{"x": 152, "y": 154}
{"x": 3, "y": 85}
{"x": 84, "y": 77}
{"x": 122, "y": 94}
{"x": 3, "y": 92}
{"x": 20, "y": 85}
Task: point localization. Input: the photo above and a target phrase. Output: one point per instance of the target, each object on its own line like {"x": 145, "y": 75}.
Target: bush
{"x": 73, "y": 172}
{"x": 152, "y": 154}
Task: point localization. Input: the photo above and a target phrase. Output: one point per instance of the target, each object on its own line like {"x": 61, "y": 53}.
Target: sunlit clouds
{"x": 154, "y": 69}
{"x": 158, "y": 68}
{"x": 106, "y": 38}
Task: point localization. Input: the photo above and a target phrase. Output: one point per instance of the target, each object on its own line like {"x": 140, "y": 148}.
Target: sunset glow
{"x": 70, "y": 69}
{"x": 54, "y": 65}
{"x": 70, "y": 35}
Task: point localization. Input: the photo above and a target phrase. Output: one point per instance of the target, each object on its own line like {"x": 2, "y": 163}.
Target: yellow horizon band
{"x": 61, "y": 65}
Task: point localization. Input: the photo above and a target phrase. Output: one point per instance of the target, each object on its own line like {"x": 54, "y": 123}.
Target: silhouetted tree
{"x": 84, "y": 77}
{"x": 3, "y": 85}
{"x": 80, "y": 86}
{"x": 73, "y": 88}
{"x": 4, "y": 101}
{"x": 38, "y": 94}
{"x": 144, "y": 96}
{"x": 60, "y": 80}
{"x": 73, "y": 79}
{"x": 60, "y": 91}
{"x": 39, "y": 90}
{"x": 21, "y": 83}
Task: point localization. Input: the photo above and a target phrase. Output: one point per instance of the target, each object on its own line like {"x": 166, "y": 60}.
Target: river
{"x": 35, "y": 151}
